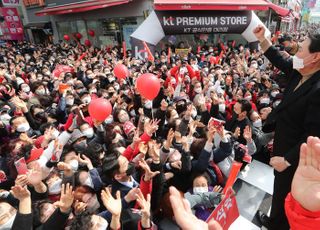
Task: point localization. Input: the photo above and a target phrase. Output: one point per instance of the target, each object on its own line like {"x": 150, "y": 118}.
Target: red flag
{"x": 169, "y": 55}
{"x": 222, "y": 46}
{"x": 150, "y": 56}
{"x": 124, "y": 48}
{"x": 198, "y": 49}
{"x": 82, "y": 56}
{"x": 226, "y": 212}
{"x": 235, "y": 169}
{"x": 233, "y": 43}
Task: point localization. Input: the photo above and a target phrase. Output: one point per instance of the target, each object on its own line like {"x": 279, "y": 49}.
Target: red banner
{"x": 227, "y": 211}
{"x": 11, "y": 27}
{"x": 62, "y": 69}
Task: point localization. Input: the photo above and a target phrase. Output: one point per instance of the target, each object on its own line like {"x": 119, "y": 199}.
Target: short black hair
{"x": 81, "y": 221}
{"x": 245, "y": 105}
{"x": 315, "y": 43}
{"x": 111, "y": 165}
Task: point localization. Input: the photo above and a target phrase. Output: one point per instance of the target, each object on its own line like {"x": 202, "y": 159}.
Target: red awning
{"x": 78, "y": 7}
{"x": 279, "y": 10}
{"x": 218, "y": 5}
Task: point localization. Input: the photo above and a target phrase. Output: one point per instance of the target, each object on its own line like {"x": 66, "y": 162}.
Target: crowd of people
{"x": 62, "y": 169}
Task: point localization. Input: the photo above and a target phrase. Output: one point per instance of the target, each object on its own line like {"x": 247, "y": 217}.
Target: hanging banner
{"x": 162, "y": 23}
{"x": 226, "y": 212}
{"x": 11, "y": 27}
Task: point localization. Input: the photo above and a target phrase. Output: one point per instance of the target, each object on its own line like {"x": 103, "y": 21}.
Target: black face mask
{"x": 42, "y": 116}
{"x": 131, "y": 169}
{"x": 80, "y": 147}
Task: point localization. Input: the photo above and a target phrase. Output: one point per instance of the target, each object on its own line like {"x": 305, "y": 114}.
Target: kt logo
{"x": 168, "y": 21}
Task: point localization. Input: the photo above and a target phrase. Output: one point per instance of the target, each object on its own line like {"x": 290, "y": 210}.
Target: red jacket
{"x": 300, "y": 218}
{"x": 175, "y": 72}
{"x": 130, "y": 153}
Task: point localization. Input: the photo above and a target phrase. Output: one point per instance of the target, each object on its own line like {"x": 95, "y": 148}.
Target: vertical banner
{"x": 12, "y": 28}
{"x": 226, "y": 212}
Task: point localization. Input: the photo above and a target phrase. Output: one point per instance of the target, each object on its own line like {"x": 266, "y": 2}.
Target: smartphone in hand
{"x": 21, "y": 166}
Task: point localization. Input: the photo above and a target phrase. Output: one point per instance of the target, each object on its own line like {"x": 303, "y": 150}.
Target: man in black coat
{"x": 296, "y": 117}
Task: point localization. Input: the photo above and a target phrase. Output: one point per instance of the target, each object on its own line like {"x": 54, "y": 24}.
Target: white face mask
{"x": 194, "y": 113}
{"x": 41, "y": 92}
{"x": 276, "y": 103}
{"x": 86, "y": 100}
{"x": 111, "y": 79}
{"x": 88, "y": 132}
{"x": 257, "y": 123}
{"x": 109, "y": 120}
{"x": 8, "y": 224}
{"x": 88, "y": 182}
{"x": 248, "y": 98}
{"x": 91, "y": 91}
{"x": 70, "y": 101}
{"x": 116, "y": 87}
{"x": 254, "y": 65}
{"x": 55, "y": 188}
{"x": 23, "y": 127}
{"x": 148, "y": 104}
{"x": 74, "y": 165}
{"x": 265, "y": 101}
{"x": 198, "y": 90}
{"x": 197, "y": 190}
{"x": 274, "y": 93}
{"x": 26, "y": 89}
{"x": 297, "y": 63}
{"x": 5, "y": 118}
{"x": 133, "y": 113}
{"x": 222, "y": 108}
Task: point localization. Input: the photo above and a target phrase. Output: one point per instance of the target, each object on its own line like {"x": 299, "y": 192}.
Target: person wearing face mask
{"x": 78, "y": 141}
{"x": 203, "y": 198}
{"x": 296, "y": 118}
{"x": 261, "y": 139}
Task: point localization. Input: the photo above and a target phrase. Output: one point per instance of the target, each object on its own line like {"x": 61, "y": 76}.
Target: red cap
{"x": 128, "y": 127}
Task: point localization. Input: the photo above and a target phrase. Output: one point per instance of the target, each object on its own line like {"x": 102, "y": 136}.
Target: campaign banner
{"x": 12, "y": 28}
{"x": 226, "y": 212}
{"x": 162, "y": 23}
{"x": 195, "y": 22}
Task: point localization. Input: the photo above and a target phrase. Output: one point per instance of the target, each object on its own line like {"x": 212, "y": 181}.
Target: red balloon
{"x": 100, "y": 109}
{"x": 148, "y": 86}
{"x": 78, "y": 35}
{"x": 91, "y": 33}
{"x": 66, "y": 37}
{"x": 121, "y": 71}
{"x": 87, "y": 42}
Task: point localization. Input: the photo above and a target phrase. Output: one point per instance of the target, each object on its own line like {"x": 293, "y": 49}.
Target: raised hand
{"x": 113, "y": 205}
{"x": 131, "y": 195}
{"x": 259, "y": 32}
{"x": 169, "y": 140}
{"x": 148, "y": 173}
{"x": 21, "y": 180}
{"x": 79, "y": 207}
{"x": 236, "y": 133}
{"x": 305, "y": 186}
{"x": 144, "y": 204}
{"x": 150, "y": 127}
{"x": 183, "y": 214}
{"x": 34, "y": 175}
{"x": 176, "y": 164}
{"x": 247, "y": 134}
{"x": 20, "y": 192}
{"x": 83, "y": 159}
{"x": 66, "y": 198}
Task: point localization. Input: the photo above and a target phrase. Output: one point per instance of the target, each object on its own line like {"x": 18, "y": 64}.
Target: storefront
{"x": 113, "y": 22}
